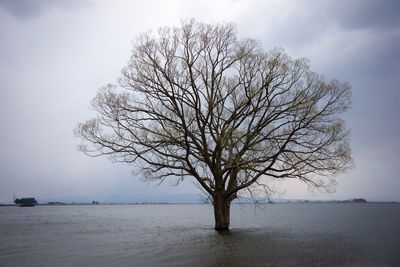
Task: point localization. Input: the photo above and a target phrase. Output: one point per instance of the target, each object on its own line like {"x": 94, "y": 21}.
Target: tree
{"x": 194, "y": 101}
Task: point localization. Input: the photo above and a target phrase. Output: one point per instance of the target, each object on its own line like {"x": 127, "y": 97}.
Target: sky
{"x": 55, "y": 55}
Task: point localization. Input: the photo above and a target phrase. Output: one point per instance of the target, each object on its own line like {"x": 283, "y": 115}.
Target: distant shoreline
{"x": 191, "y": 203}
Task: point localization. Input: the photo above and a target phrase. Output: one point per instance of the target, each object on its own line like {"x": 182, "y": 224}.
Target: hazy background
{"x": 55, "y": 55}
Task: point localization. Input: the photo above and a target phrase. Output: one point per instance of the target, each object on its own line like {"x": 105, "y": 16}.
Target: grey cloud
{"x": 23, "y": 8}
{"x": 296, "y": 28}
{"x": 366, "y": 13}
{"x": 26, "y": 9}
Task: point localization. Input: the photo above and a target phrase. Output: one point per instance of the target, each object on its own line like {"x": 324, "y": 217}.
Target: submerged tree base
{"x": 222, "y": 228}
{"x": 221, "y": 214}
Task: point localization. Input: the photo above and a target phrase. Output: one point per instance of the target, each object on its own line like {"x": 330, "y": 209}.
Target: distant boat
{"x": 26, "y": 202}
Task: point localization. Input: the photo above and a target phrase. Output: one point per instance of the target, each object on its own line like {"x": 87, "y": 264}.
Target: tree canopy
{"x": 195, "y": 101}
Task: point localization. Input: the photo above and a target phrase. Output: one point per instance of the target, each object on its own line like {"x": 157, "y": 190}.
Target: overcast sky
{"x": 55, "y": 55}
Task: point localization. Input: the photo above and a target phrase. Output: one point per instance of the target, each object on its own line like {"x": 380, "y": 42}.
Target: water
{"x": 183, "y": 235}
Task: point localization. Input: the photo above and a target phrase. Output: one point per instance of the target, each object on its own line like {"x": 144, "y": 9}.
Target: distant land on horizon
{"x": 242, "y": 201}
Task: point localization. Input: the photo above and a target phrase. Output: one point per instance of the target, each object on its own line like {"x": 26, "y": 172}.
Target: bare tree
{"x": 194, "y": 101}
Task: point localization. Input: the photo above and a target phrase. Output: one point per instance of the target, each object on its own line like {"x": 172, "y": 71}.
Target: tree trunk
{"x": 221, "y": 213}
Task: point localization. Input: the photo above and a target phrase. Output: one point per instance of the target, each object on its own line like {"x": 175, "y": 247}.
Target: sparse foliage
{"x": 194, "y": 101}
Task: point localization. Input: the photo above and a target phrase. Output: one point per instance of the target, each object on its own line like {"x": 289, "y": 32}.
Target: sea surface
{"x": 324, "y": 234}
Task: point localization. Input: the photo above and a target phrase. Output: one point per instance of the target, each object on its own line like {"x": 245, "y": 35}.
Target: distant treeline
{"x": 25, "y": 201}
